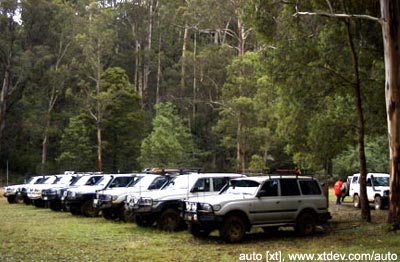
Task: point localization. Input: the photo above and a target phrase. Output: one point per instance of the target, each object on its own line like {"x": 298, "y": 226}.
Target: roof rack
{"x": 164, "y": 171}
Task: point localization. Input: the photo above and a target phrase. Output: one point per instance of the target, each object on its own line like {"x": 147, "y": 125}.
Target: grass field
{"x": 28, "y": 233}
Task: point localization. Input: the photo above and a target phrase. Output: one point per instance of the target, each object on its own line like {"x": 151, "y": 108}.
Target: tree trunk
{"x": 158, "y": 67}
{"x": 183, "y": 62}
{"x": 365, "y": 210}
{"x": 390, "y": 12}
{"x": 146, "y": 65}
{"x": 99, "y": 150}
{"x": 3, "y": 100}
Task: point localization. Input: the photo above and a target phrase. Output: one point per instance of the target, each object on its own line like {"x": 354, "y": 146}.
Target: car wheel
{"x": 356, "y": 201}
{"x": 378, "y": 202}
{"x": 199, "y": 231}
{"x": 169, "y": 220}
{"x": 11, "y": 199}
{"x": 109, "y": 214}
{"x": 27, "y": 200}
{"x": 305, "y": 224}
{"x": 143, "y": 221}
{"x": 88, "y": 210}
{"x": 233, "y": 229}
{"x": 38, "y": 203}
{"x": 76, "y": 211}
{"x": 19, "y": 199}
{"x": 124, "y": 214}
{"x": 55, "y": 206}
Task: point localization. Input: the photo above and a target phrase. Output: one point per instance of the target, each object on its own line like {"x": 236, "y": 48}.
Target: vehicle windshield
{"x": 242, "y": 187}
{"x": 30, "y": 180}
{"x": 381, "y": 181}
{"x": 79, "y": 181}
{"x": 135, "y": 181}
{"x": 159, "y": 182}
{"x": 50, "y": 180}
{"x": 41, "y": 180}
{"x": 103, "y": 181}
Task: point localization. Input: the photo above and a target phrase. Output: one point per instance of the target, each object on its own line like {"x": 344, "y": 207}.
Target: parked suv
{"x": 35, "y": 191}
{"x": 79, "y": 200}
{"x": 268, "y": 202}
{"x": 17, "y": 193}
{"x": 163, "y": 207}
{"x": 377, "y": 189}
{"x": 112, "y": 201}
{"x": 52, "y": 196}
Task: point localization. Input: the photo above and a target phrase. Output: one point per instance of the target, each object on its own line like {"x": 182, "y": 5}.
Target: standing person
{"x": 338, "y": 190}
{"x": 345, "y": 189}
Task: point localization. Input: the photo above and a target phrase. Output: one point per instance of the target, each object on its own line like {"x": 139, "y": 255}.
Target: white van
{"x": 377, "y": 189}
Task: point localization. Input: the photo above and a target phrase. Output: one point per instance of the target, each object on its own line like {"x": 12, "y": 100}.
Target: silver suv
{"x": 266, "y": 202}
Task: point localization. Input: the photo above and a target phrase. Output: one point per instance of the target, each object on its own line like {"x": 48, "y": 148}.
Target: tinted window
{"x": 93, "y": 180}
{"x": 158, "y": 182}
{"x": 289, "y": 187}
{"x": 309, "y": 187}
{"x": 381, "y": 181}
{"x": 270, "y": 188}
{"x": 202, "y": 185}
{"x": 219, "y": 183}
{"x": 121, "y": 181}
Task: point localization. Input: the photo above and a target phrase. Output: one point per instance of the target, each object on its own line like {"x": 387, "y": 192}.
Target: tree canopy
{"x": 242, "y": 86}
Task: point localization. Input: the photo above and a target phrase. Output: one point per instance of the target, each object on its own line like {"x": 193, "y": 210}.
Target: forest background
{"x": 222, "y": 85}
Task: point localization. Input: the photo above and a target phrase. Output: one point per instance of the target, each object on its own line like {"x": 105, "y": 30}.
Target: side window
{"x": 309, "y": 187}
{"x": 121, "y": 181}
{"x": 219, "y": 183}
{"x": 93, "y": 180}
{"x": 202, "y": 185}
{"x": 355, "y": 180}
{"x": 369, "y": 183}
{"x": 289, "y": 187}
{"x": 269, "y": 188}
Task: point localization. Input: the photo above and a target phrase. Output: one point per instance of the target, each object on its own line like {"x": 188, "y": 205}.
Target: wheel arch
{"x": 240, "y": 214}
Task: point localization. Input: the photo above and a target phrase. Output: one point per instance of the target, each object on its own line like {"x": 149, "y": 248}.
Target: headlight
{"x": 146, "y": 201}
{"x": 205, "y": 207}
{"x": 216, "y": 207}
{"x": 114, "y": 198}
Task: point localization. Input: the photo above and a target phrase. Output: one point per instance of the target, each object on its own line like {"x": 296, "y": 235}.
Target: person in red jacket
{"x": 337, "y": 187}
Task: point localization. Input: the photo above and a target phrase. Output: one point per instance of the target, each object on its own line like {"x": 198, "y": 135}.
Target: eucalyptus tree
{"x": 96, "y": 41}
{"x": 8, "y": 51}
{"x": 237, "y": 116}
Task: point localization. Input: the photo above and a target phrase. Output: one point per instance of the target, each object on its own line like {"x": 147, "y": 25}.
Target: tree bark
{"x": 390, "y": 12}
{"x": 183, "y": 62}
{"x": 3, "y": 99}
{"x": 146, "y": 65}
{"x": 365, "y": 210}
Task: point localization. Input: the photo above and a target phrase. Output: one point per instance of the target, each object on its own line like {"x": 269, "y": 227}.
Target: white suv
{"x": 267, "y": 202}
{"x": 163, "y": 206}
{"x": 112, "y": 201}
{"x": 377, "y": 189}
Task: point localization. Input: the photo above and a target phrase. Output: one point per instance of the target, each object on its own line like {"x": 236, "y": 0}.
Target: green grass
{"x": 28, "y": 233}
